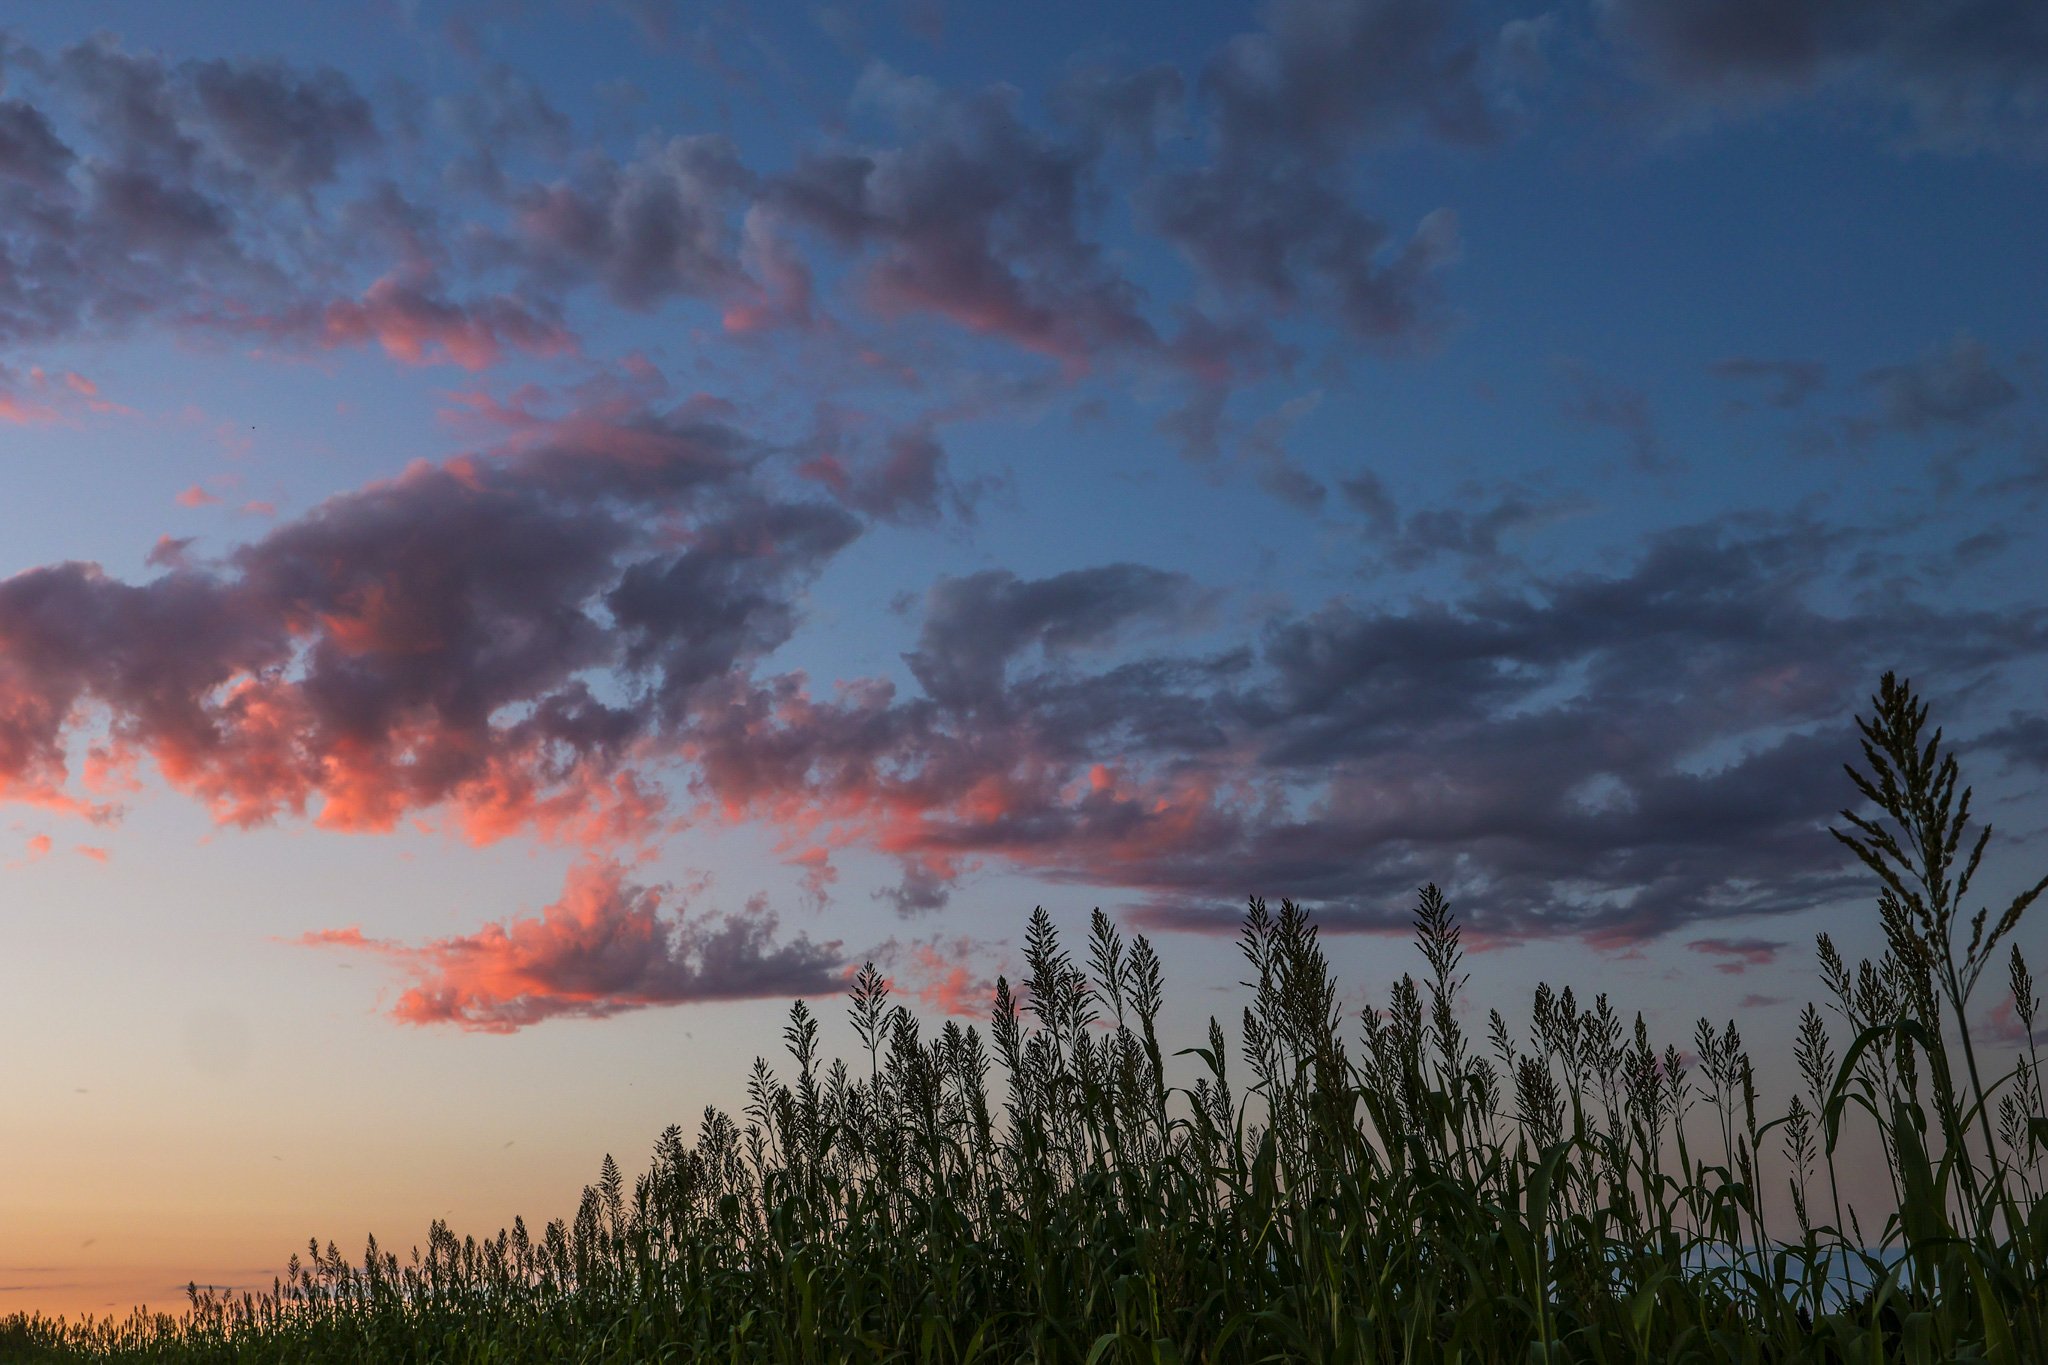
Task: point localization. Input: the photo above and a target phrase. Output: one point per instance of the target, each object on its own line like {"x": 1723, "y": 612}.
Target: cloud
{"x": 2004, "y": 1027}
{"x": 2021, "y": 742}
{"x": 1322, "y": 75}
{"x": 199, "y": 195}
{"x": 605, "y": 947}
{"x": 293, "y": 128}
{"x": 974, "y": 626}
{"x": 926, "y": 885}
{"x": 1577, "y": 755}
{"x": 908, "y": 483}
{"x": 780, "y": 292}
{"x": 1787, "y": 383}
{"x": 1954, "y": 391}
{"x": 1270, "y": 215}
{"x": 1367, "y": 493}
{"x": 1954, "y": 385}
{"x": 30, "y": 151}
{"x": 1469, "y": 530}
{"x": 415, "y": 324}
{"x": 428, "y": 640}
{"x": 503, "y": 116}
{"x": 974, "y": 218}
{"x": 169, "y": 207}
{"x": 557, "y": 635}
{"x": 1127, "y": 109}
{"x": 1738, "y": 955}
{"x": 655, "y": 228}
{"x": 941, "y": 974}
{"x": 574, "y": 633}
{"x": 691, "y": 618}
{"x": 1285, "y": 233}
{"x": 1594, "y": 401}
{"x": 39, "y": 398}
{"x": 254, "y": 199}
{"x": 1968, "y": 75}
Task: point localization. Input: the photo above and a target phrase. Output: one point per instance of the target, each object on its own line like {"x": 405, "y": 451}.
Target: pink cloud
{"x": 2003, "y": 1025}
{"x": 38, "y": 398}
{"x": 942, "y": 976}
{"x": 428, "y": 642}
{"x": 419, "y": 327}
{"x": 606, "y": 946}
{"x": 18, "y": 411}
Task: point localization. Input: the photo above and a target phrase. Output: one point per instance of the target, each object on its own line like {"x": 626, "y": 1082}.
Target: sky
{"x": 536, "y": 533}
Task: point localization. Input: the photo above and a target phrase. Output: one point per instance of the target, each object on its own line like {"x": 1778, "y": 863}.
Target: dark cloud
{"x": 724, "y": 601}
{"x": 921, "y": 889}
{"x": 1367, "y": 493}
{"x": 154, "y": 215}
{"x": 406, "y": 229}
{"x": 1214, "y": 358}
{"x": 1321, "y": 75}
{"x": 130, "y": 99}
{"x": 1264, "y": 444}
{"x": 658, "y": 227}
{"x": 1271, "y": 215}
{"x": 2021, "y": 742}
{"x": 292, "y": 128}
{"x": 1471, "y": 530}
{"x": 1285, "y": 233}
{"x": 975, "y": 218}
{"x": 975, "y": 626}
{"x": 29, "y": 150}
{"x": 1969, "y": 74}
{"x": 1577, "y": 755}
{"x": 1468, "y": 533}
{"x": 255, "y": 199}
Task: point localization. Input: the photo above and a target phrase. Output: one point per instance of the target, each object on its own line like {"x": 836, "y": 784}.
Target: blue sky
{"x": 537, "y": 532}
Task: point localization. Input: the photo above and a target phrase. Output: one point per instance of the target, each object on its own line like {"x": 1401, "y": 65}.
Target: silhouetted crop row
{"x": 1387, "y": 1188}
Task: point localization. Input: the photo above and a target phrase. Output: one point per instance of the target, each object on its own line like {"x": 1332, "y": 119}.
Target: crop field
{"x": 1397, "y": 1185}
